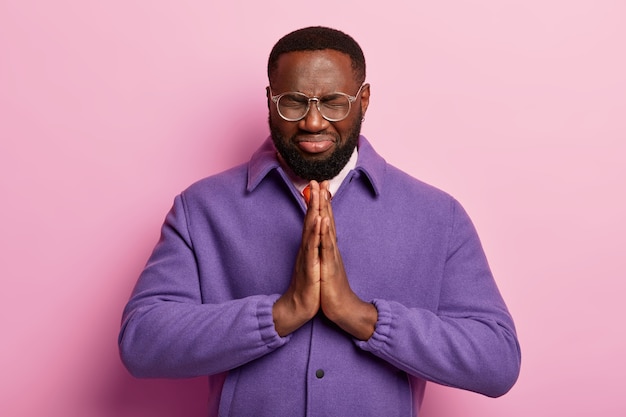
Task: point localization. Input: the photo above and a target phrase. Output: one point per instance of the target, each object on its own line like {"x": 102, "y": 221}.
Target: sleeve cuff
{"x": 266, "y": 322}
{"x": 383, "y": 327}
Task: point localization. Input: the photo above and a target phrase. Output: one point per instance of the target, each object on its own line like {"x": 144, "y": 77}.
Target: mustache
{"x": 314, "y": 137}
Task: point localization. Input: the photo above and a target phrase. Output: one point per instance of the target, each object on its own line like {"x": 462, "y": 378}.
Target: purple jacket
{"x": 203, "y": 304}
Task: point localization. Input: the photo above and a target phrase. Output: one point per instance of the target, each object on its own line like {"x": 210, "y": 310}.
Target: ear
{"x": 365, "y": 98}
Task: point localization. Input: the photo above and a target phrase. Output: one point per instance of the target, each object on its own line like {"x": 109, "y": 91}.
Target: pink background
{"x": 108, "y": 109}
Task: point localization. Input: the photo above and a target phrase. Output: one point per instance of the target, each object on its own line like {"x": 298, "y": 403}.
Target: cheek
{"x": 282, "y": 127}
{"x": 344, "y": 129}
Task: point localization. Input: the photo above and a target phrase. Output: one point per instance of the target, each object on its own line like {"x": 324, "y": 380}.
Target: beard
{"x": 318, "y": 170}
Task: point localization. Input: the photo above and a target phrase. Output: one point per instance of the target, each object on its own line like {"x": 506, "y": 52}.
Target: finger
{"x": 305, "y": 281}
{"x": 314, "y": 194}
{"x": 311, "y": 242}
{"x": 312, "y": 208}
{"x": 326, "y": 210}
{"x": 326, "y": 240}
{"x": 328, "y": 245}
{"x": 324, "y": 199}
{"x": 308, "y": 255}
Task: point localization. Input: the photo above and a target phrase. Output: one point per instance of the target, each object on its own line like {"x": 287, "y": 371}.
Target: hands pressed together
{"x": 319, "y": 280}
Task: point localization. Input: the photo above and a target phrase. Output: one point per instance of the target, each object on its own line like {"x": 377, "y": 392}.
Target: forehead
{"x": 314, "y": 72}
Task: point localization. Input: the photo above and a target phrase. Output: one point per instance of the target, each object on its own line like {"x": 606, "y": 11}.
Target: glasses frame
{"x": 317, "y": 100}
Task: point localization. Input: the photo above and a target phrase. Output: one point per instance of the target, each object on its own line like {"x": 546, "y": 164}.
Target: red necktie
{"x": 306, "y": 193}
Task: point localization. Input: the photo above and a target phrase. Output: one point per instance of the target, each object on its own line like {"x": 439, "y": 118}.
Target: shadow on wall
{"x": 131, "y": 397}
{"x": 115, "y": 392}
{"x": 437, "y": 402}
{"x": 220, "y": 138}
{"x": 118, "y": 393}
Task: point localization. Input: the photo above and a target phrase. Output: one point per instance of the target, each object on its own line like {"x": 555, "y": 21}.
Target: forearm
{"x": 477, "y": 353}
{"x": 175, "y": 339}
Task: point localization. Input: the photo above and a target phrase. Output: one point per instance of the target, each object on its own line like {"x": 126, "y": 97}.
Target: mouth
{"x": 315, "y": 144}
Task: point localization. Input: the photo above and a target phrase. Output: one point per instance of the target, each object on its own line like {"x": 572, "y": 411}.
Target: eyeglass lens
{"x": 294, "y": 106}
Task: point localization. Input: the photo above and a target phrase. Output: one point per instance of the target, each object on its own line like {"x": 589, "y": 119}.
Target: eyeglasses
{"x": 293, "y": 106}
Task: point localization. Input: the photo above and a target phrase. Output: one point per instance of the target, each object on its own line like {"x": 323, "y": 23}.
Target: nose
{"x": 313, "y": 121}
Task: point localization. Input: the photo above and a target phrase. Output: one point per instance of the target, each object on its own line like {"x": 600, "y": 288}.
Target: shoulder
{"x": 417, "y": 199}
{"x": 399, "y": 191}
{"x": 219, "y": 185}
{"x": 390, "y": 181}
{"x": 422, "y": 206}
{"x": 398, "y": 182}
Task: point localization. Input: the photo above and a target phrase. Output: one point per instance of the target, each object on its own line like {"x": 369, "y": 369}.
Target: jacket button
{"x": 319, "y": 373}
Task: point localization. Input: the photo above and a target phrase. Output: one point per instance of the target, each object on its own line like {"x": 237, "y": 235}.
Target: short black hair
{"x": 317, "y": 38}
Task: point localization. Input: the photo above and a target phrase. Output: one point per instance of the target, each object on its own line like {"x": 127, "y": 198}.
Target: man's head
{"x": 316, "y": 62}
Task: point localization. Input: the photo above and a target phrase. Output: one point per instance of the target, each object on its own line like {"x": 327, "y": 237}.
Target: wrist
{"x": 357, "y": 318}
{"x": 288, "y": 317}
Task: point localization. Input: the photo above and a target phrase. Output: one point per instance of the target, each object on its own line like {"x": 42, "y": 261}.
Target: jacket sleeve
{"x": 470, "y": 341}
{"x": 167, "y": 331}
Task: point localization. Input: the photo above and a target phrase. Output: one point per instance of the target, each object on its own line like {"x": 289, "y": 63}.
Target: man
{"x": 344, "y": 305}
